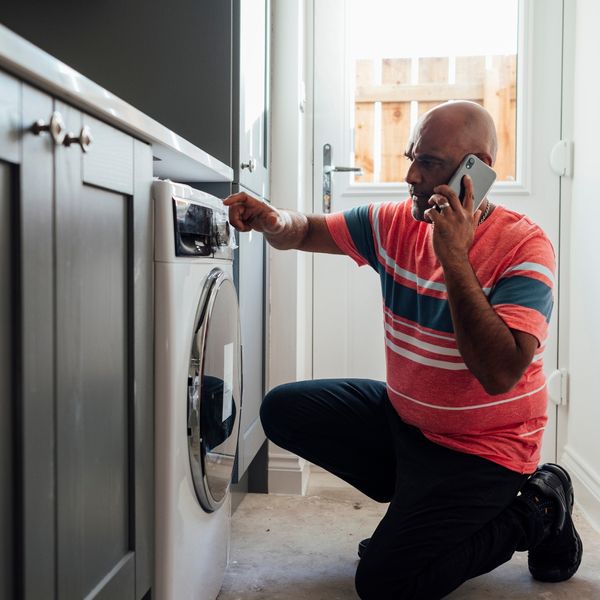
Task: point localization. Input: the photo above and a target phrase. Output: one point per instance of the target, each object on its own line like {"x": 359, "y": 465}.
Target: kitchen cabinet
{"x": 81, "y": 399}
{"x": 250, "y": 150}
{"x": 251, "y": 42}
{"x": 251, "y": 57}
{"x": 202, "y": 69}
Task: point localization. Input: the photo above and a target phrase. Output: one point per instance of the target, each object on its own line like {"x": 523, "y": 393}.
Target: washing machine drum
{"x": 214, "y": 390}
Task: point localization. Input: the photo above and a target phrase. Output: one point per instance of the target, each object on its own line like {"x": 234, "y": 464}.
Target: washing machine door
{"x": 214, "y": 390}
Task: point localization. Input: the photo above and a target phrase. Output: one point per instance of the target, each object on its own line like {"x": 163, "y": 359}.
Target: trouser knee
{"x": 274, "y": 412}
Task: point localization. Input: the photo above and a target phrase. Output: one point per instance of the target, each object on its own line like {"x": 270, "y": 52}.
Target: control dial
{"x": 221, "y": 230}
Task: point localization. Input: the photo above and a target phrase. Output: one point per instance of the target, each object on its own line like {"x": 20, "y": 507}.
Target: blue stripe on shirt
{"x": 359, "y": 226}
{"x": 434, "y": 313}
{"x": 524, "y": 291}
{"x": 427, "y": 311}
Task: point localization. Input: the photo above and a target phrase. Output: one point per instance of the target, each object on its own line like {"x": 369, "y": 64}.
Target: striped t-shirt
{"x": 428, "y": 382}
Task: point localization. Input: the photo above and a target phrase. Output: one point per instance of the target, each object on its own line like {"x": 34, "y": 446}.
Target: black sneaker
{"x": 362, "y": 546}
{"x": 558, "y": 556}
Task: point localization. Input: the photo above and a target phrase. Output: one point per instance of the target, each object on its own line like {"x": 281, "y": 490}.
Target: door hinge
{"x": 558, "y": 388}
{"x": 561, "y": 158}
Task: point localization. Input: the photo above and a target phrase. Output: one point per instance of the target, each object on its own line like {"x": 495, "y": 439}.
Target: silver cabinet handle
{"x": 56, "y": 127}
{"x": 84, "y": 139}
{"x": 250, "y": 165}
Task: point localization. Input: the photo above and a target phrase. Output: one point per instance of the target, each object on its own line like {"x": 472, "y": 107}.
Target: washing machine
{"x": 197, "y": 390}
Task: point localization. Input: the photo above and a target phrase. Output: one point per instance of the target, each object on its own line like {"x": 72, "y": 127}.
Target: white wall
{"x": 582, "y": 451}
{"x": 290, "y": 272}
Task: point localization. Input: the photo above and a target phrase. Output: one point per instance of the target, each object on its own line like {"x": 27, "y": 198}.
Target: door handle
{"x": 332, "y": 169}
{"x": 328, "y": 169}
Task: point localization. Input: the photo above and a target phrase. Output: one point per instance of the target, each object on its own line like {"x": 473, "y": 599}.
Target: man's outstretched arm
{"x": 283, "y": 229}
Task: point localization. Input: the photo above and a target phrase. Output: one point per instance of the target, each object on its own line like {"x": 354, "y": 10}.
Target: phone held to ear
{"x": 482, "y": 176}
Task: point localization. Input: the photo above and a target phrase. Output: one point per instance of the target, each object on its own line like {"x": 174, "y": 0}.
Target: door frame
{"x": 521, "y": 187}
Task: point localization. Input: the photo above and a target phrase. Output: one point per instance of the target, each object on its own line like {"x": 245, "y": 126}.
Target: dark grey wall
{"x": 155, "y": 55}
{"x": 7, "y": 483}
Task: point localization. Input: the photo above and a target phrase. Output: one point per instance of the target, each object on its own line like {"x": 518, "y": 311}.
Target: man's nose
{"x": 413, "y": 175}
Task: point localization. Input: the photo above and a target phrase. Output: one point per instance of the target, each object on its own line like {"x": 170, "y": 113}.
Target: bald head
{"x": 464, "y": 126}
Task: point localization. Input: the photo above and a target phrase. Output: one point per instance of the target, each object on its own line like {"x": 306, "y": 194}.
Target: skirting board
{"x": 288, "y": 473}
{"x": 586, "y": 482}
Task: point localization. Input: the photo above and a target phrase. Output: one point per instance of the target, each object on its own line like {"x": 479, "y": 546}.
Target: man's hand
{"x": 247, "y": 213}
{"x": 455, "y": 225}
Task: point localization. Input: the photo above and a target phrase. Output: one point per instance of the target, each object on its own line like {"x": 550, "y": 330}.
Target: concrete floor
{"x": 304, "y": 548}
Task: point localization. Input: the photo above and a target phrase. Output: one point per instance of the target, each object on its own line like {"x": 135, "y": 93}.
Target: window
{"x": 411, "y": 56}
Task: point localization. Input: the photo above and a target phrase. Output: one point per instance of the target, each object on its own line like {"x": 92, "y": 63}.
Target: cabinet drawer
{"x": 109, "y": 160}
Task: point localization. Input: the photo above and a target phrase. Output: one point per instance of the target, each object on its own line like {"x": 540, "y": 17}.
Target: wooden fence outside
{"x": 490, "y": 81}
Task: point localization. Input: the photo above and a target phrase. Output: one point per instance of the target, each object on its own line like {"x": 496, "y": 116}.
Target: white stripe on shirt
{"x": 419, "y": 344}
{"x": 393, "y": 317}
{"x": 531, "y": 266}
{"x": 474, "y": 406}
{"x": 423, "y": 360}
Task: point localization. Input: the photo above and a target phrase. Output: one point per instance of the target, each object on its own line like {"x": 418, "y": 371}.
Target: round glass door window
{"x": 214, "y": 390}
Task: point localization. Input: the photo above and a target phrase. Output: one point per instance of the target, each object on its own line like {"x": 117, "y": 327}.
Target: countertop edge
{"x": 177, "y": 158}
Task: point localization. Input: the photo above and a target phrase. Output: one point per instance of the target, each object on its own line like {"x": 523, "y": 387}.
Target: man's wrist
{"x": 284, "y": 220}
{"x": 456, "y": 261}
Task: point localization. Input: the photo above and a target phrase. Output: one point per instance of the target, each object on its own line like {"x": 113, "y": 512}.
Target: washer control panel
{"x": 190, "y": 224}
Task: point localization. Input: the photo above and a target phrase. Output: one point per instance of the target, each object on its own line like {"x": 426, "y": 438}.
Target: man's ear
{"x": 485, "y": 157}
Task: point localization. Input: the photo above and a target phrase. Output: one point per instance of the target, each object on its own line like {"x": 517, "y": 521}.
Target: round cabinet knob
{"x": 84, "y": 139}
{"x": 56, "y": 127}
{"x": 250, "y": 165}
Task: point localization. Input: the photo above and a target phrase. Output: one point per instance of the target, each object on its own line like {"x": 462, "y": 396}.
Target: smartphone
{"x": 483, "y": 177}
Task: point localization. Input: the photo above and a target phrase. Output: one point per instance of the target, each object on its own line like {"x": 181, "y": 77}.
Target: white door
{"x": 370, "y": 63}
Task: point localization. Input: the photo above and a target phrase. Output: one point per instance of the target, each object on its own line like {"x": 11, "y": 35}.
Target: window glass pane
{"x": 410, "y": 56}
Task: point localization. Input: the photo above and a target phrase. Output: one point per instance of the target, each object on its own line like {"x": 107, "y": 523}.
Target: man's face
{"x": 434, "y": 157}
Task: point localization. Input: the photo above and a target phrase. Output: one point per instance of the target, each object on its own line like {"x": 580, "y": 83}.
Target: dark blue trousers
{"x": 452, "y": 516}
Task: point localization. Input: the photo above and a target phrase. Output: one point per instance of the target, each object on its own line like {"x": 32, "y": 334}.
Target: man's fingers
{"x": 449, "y": 196}
{"x": 432, "y": 215}
{"x": 468, "y": 201}
{"x": 440, "y": 201}
{"x": 239, "y": 198}
{"x": 238, "y": 217}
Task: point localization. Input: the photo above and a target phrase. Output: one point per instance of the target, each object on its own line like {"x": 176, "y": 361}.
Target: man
{"x": 452, "y": 438}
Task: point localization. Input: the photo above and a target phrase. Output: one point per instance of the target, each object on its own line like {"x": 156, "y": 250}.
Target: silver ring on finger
{"x": 443, "y": 206}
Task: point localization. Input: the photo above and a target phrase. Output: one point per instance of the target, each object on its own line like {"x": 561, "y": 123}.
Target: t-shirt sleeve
{"x": 352, "y": 231}
{"x": 523, "y": 295}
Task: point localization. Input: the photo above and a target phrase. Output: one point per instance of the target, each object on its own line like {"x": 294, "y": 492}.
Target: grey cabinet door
{"x": 76, "y": 357}
{"x": 10, "y": 98}
{"x": 103, "y": 389}
{"x": 251, "y": 56}
{"x": 251, "y": 289}
{"x": 27, "y": 531}
{"x": 93, "y": 377}
{"x": 36, "y": 332}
